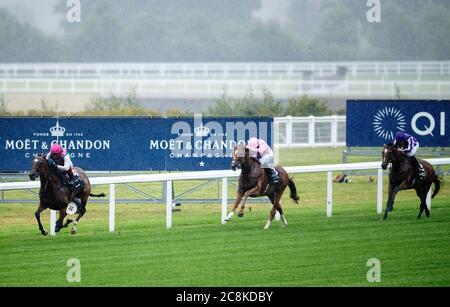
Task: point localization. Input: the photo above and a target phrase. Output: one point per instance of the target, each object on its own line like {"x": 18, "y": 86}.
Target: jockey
{"x": 59, "y": 160}
{"x": 264, "y": 154}
{"x": 409, "y": 145}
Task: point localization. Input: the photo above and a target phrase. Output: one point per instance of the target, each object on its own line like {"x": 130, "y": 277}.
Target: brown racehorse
{"x": 56, "y": 196}
{"x": 402, "y": 177}
{"x": 253, "y": 182}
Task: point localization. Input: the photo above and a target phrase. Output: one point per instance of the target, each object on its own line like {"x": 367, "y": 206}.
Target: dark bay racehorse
{"x": 56, "y": 196}
{"x": 402, "y": 176}
{"x": 253, "y": 182}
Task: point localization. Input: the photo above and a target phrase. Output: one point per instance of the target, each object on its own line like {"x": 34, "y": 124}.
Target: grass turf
{"x": 198, "y": 251}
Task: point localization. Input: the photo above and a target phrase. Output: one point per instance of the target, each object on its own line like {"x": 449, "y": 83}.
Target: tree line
{"x": 249, "y": 105}
{"x": 226, "y": 31}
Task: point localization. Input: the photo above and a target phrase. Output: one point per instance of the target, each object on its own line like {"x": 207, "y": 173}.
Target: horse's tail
{"x": 437, "y": 185}
{"x": 97, "y": 195}
{"x": 293, "y": 190}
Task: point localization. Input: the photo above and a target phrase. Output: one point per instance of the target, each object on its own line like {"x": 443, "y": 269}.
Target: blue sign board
{"x": 130, "y": 143}
{"x": 372, "y": 123}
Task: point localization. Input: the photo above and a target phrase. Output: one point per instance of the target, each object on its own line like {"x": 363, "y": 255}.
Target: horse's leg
{"x": 422, "y": 193}
{"x": 271, "y": 216}
{"x": 390, "y": 202}
{"x": 236, "y": 204}
{"x": 247, "y": 194}
{"x": 37, "y": 214}
{"x": 59, "y": 222}
{"x": 68, "y": 221}
{"x": 283, "y": 219}
{"x": 80, "y": 215}
{"x": 275, "y": 202}
{"x": 279, "y": 209}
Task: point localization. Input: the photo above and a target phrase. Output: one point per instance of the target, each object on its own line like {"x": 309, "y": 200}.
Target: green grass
{"x": 198, "y": 251}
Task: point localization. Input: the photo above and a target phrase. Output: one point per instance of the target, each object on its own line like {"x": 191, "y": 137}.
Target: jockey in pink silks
{"x": 59, "y": 160}
{"x": 260, "y": 150}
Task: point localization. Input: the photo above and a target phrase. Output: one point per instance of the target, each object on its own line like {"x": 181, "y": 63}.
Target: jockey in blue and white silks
{"x": 407, "y": 143}
{"x": 409, "y": 146}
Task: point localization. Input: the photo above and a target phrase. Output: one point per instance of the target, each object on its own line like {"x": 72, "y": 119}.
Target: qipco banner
{"x": 131, "y": 143}
{"x": 374, "y": 122}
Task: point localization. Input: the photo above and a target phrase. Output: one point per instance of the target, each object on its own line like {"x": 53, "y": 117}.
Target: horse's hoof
{"x": 57, "y": 229}
{"x": 391, "y": 209}
{"x": 240, "y": 214}
{"x": 427, "y": 214}
{"x": 73, "y": 231}
{"x": 44, "y": 233}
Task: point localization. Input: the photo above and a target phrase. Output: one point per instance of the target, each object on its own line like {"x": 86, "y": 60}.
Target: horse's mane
{"x": 255, "y": 160}
{"x": 392, "y": 145}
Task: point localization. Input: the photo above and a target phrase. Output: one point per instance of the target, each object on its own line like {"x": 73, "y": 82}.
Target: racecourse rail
{"x": 221, "y": 174}
{"x": 211, "y": 80}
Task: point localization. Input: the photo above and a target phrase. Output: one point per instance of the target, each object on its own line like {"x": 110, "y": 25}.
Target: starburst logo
{"x": 387, "y": 121}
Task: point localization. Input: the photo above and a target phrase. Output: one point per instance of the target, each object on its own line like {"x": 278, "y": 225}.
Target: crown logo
{"x": 57, "y": 130}
{"x": 201, "y": 131}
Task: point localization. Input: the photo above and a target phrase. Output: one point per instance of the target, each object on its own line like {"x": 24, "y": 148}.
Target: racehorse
{"x": 56, "y": 196}
{"x": 402, "y": 176}
{"x": 253, "y": 182}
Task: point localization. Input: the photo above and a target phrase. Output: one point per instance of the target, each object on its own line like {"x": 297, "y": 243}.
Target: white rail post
{"x": 429, "y": 199}
{"x": 52, "y": 222}
{"x": 289, "y": 129}
{"x": 169, "y": 204}
{"x": 112, "y": 207}
{"x": 380, "y": 192}
{"x": 224, "y": 199}
{"x": 329, "y": 194}
{"x": 311, "y": 131}
{"x": 334, "y": 128}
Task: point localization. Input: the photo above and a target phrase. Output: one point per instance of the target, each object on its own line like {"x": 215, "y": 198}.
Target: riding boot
{"x": 272, "y": 174}
{"x": 65, "y": 179}
{"x": 76, "y": 183}
{"x": 419, "y": 171}
{"x": 77, "y": 201}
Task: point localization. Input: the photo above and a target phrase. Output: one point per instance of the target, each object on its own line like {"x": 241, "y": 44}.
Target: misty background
{"x": 223, "y": 31}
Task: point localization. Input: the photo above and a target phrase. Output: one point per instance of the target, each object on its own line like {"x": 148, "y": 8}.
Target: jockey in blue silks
{"x": 409, "y": 145}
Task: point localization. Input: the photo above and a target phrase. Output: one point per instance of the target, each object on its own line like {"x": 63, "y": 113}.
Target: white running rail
{"x": 224, "y": 175}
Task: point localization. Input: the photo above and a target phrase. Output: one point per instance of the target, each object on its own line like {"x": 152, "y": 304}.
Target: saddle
{"x": 273, "y": 178}
{"x": 76, "y": 183}
{"x": 70, "y": 178}
{"x": 419, "y": 175}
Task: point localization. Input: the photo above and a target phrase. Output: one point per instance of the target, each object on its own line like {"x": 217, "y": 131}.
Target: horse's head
{"x": 390, "y": 154}
{"x": 240, "y": 152}
{"x": 38, "y": 167}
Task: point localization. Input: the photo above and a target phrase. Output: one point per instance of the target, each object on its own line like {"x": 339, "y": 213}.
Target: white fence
{"x": 219, "y": 70}
{"x": 327, "y": 131}
{"x": 224, "y": 175}
{"x": 237, "y": 88}
{"x": 428, "y": 80}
